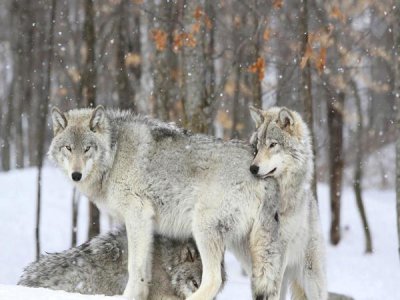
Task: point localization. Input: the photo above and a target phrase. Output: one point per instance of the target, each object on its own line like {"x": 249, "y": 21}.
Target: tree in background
{"x": 200, "y": 64}
{"x": 89, "y": 82}
{"x": 396, "y": 50}
{"x": 46, "y": 34}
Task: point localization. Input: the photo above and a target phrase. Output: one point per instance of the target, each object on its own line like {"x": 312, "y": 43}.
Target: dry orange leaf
{"x": 266, "y": 34}
{"x": 184, "y": 39}
{"x": 178, "y": 40}
{"x": 336, "y": 13}
{"x": 160, "y": 39}
{"x": 321, "y": 60}
{"x": 190, "y": 40}
{"x": 208, "y": 22}
{"x": 307, "y": 55}
{"x": 259, "y": 68}
{"x": 277, "y": 4}
{"x": 198, "y": 13}
{"x": 196, "y": 27}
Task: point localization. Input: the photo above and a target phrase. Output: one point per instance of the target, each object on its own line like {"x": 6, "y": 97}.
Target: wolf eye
{"x": 87, "y": 149}
{"x": 196, "y": 285}
{"x": 68, "y": 148}
{"x": 272, "y": 145}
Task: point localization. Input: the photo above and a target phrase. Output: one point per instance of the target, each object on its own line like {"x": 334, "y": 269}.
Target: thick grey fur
{"x": 155, "y": 177}
{"x": 99, "y": 266}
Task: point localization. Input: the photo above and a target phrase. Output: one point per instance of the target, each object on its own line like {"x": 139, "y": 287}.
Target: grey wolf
{"x": 99, "y": 266}
{"x": 283, "y": 146}
{"x": 157, "y": 178}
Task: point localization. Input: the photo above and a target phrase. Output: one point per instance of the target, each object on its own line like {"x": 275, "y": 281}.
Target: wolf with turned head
{"x": 99, "y": 266}
{"x": 158, "y": 178}
{"x": 284, "y": 152}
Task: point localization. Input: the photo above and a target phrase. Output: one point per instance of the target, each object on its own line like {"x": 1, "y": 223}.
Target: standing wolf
{"x": 284, "y": 152}
{"x": 155, "y": 177}
{"x": 99, "y": 266}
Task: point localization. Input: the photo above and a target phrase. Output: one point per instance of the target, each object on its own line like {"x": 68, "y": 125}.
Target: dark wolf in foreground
{"x": 155, "y": 177}
{"x": 100, "y": 267}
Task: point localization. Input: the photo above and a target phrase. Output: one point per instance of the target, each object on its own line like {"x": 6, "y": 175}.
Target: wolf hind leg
{"x": 211, "y": 248}
{"x": 139, "y": 229}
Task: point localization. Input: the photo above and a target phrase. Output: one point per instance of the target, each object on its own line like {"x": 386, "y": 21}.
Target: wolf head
{"x": 185, "y": 269}
{"x": 81, "y": 143}
{"x": 282, "y": 142}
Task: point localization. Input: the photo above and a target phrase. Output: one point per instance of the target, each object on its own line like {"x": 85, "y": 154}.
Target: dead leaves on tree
{"x": 316, "y": 48}
{"x": 183, "y": 38}
{"x": 258, "y": 67}
{"x": 159, "y": 37}
{"x": 277, "y": 4}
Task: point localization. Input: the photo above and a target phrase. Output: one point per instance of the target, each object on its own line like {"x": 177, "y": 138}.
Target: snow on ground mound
{"x": 350, "y": 271}
{"x": 13, "y": 292}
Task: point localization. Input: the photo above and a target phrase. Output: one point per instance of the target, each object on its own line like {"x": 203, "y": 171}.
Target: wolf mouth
{"x": 269, "y": 173}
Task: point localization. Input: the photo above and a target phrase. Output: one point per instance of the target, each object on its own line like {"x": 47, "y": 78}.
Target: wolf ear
{"x": 98, "y": 118}
{"x": 188, "y": 254}
{"x": 59, "y": 120}
{"x": 285, "y": 119}
{"x": 257, "y": 115}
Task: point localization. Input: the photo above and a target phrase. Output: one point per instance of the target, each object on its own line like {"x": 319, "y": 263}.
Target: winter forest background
{"x": 201, "y": 63}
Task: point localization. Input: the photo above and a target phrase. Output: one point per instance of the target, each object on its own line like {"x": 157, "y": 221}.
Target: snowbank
{"x": 350, "y": 271}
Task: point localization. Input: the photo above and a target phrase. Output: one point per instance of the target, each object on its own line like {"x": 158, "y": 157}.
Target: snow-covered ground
{"x": 350, "y": 271}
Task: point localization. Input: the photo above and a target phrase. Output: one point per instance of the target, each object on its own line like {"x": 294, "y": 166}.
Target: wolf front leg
{"x": 139, "y": 228}
{"x": 268, "y": 263}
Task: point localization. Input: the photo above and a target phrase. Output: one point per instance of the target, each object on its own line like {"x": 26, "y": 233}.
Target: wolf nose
{"x": 76, "y": 176}
{"x": 254, "y": 169}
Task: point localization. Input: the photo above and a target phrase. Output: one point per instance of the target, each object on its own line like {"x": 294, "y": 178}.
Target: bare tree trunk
{"x": 209, "y": 62}
{"x": 75, "y": 205}
{"x": 396, "y": 32}
{"x": 358, "y": 174}
{"x": 197, "y": 104}
{"x": 42, "y": 113}
{"x": 306, "y": 86}
{"x": 89, "y": 88}
{"x": 335, "y": 128}
{"x": 236, "y": 40}
{"x": 166, "y": 72}
{"x": 5, "y": 149}
{"x": 235, "y": 104}
{"x": 28, "y": 90}
{"x": 125, "y": 94}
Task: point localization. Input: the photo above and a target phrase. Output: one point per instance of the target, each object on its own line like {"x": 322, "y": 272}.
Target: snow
{"x": 350, "y": 271}
{"x": 8, "y": 292}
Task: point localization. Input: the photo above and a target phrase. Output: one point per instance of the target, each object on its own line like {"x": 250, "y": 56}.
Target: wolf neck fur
{"x": 293, "y": 185}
